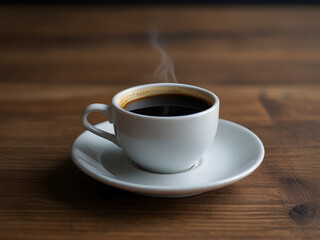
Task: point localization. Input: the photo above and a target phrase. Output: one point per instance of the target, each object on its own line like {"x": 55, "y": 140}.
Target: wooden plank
{"x": 262, "y": 62}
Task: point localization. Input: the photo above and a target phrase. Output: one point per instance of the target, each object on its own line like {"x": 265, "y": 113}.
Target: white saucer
{"x": 235, "y": 153}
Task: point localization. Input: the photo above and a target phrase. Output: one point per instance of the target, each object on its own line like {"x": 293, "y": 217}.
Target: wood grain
{"x": 263, "y": 63}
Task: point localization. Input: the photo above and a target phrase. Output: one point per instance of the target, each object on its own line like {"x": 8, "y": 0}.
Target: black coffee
{"x": 167, "y": 105}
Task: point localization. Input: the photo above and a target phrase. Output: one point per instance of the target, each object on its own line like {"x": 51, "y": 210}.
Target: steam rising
{"x": 165, "y": 71}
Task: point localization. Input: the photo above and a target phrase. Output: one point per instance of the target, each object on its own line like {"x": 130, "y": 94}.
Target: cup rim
{"x": 200, "y": 89}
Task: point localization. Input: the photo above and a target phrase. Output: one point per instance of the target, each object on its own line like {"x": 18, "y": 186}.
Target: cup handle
{"x": 102, "y": 108}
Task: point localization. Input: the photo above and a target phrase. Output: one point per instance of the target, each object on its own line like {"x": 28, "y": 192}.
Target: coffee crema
{"x": 167, "y": 105}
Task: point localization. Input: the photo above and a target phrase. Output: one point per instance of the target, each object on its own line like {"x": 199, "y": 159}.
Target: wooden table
{"x": 263, "y": 63}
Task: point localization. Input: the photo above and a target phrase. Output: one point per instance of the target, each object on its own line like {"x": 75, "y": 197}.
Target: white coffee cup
{"x": 159, "y": 144}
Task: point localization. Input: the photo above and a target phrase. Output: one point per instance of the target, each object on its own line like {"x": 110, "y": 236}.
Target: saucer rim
{"x": 167, "y": 190}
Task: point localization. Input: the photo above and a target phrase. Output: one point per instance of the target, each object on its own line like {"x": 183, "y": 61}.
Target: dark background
{"x": 167, "y": 2}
